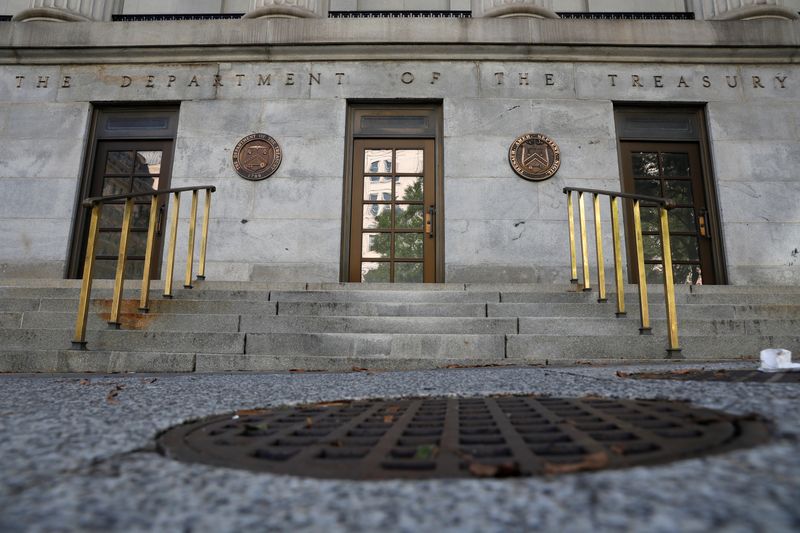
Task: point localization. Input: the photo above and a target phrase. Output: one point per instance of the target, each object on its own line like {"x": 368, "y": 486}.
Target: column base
{"x": 49, "y": 14}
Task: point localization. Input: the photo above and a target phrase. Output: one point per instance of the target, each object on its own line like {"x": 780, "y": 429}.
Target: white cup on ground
{"x": 777, "y": 359}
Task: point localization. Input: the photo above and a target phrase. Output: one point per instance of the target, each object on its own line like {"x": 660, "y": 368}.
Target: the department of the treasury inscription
{"x": 257, "y": 157}
{"x": 535, "y": 157}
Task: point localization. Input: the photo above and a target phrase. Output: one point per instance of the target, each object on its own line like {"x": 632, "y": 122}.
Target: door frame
{"x": 696, "y": 132}
{"x": 96, "y": 134}
{"x": 428, "y": 118}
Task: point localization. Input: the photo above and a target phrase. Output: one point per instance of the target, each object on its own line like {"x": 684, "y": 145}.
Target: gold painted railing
{"x": 664, "y": 205}
{"x": 96, "y": 205}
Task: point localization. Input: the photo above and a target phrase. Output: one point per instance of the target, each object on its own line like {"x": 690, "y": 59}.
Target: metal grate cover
{"x": 507, "y": 436}
{"x": 740, "y": 376}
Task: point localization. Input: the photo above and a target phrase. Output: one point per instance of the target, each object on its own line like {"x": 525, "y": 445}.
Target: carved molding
{"x": 287, "y": 9}
{"x": 68, "y": 10}
{"x": 745, "y": 9}
{"x": 513, "y": 8}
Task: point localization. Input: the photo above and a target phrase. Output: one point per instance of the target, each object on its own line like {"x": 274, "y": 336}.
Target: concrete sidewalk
{"x": 77, "y": 454}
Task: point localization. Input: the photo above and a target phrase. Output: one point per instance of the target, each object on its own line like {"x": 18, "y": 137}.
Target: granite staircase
{"x": 250, "y": 326}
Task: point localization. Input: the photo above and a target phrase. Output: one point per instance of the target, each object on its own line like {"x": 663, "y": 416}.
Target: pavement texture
{"x": 77, "y": 454}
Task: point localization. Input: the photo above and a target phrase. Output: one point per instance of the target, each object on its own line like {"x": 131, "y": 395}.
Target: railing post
{"x": 144, "y": 301}
{"x": 617, "y": 257}
{"x": 201, "y": 268}
{"x": 598, "y": 237}
{"x": 119, "y": 280}
{"x": 669, "y": 285}
{"x": 587, "y": 284}
{"x": 572, "y": 257}
{"x": 644, "y": 310}
{"x": 79, "y": 341}
{"x": 187, "y": 281}
{"x": 173, "y": 240}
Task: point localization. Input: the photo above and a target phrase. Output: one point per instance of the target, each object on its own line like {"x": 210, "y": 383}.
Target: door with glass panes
{"x": 393, "y": 227}
{"x": 671, "y": 170}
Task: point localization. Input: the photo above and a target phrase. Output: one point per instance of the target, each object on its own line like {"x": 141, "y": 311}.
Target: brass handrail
{"x": 96, "y": 205}
{"x": 664, "y": 205}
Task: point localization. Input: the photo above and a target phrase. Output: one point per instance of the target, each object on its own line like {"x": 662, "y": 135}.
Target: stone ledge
{"x": 381, "y": 32}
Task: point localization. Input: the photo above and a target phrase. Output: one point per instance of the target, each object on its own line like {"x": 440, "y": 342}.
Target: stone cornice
{"x": 320, "y": 40}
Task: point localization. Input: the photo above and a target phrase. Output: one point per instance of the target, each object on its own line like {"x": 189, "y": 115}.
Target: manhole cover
{"x": 718, "y": 375}
{"x": 504, "y": 436}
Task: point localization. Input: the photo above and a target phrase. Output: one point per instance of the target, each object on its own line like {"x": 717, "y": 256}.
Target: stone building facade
{"x": 395, "y": 131}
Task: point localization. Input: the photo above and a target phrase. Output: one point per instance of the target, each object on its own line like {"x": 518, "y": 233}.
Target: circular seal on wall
{"x": 535, "y": 157}
{"x": 257, "y": 157}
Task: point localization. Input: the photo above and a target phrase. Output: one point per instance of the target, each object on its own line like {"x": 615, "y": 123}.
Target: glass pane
{"x": 111, "y": 216}
{"x": 375, "y": 272}
{"x": 408, "y": 216}
{"x": 115, "y": 186}
{"x": 654, "y": 273}
{"x": 377, "y": 216}
{"x": 141, "y": 216}
{"x": 107, "y": 269}
{"x": 408, "y": 189}
{"x": 649, "y": 218}
{"x": 697, "y": 275}
{"x": 647, "y": 187}
{"x": 410, "y": 161}
{"x": 680, "y": 191}
{"x": 376, "y": 245}
{"x": 408, "y": 245}
{"x": 685, "y": 274}
{"x": 137, "y": 123}
{"x": 148, "y": 162}
{"x": 645, "y": 165}
{"x": 108, "y": 244}
{"x": 408, "y": 273}
{"x": 146, "y": 185}
{"x": 684, "y": 248}
{"x": 652, "y": 247}
{"x": 376, "y": 161}
{"x": 681, "y": 274}
{"x": 137, "y": 243}
{"x": 676, "y": 165}
{"x": 119, "y": 162}
{"x": 681, "y": 220}
{"x": 375, "y": 187}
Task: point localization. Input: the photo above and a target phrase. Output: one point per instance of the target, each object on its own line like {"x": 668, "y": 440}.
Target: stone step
{"x": 14, "y": 305}
{"x": 186, "y": 307}
{"x": 630, "y": 326}
{"x": 10, "y": 320}
{"x": 632, "y": 298}
{"x": 135, "y": 321}
{"x": 372, "y": 324}
{"x": 95, "y": 361}
{"x": 114, "y": 340}
{"x": 684, "y": 311}
{"x": 599, "y": 347}
{"x": 388, "y": 345}
{"x": 131, "y": 294}
{"x": 396, "y": 296}
{"x": 381, "y": 309}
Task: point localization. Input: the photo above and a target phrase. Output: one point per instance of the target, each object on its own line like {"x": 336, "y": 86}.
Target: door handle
{"x": 429, "y": 221}
{"x": 702, "y": 223}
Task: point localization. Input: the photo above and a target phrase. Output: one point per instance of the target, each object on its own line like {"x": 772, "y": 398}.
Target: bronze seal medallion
{"x": 535, "y": 157}
{"x": 257, "y": 157}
